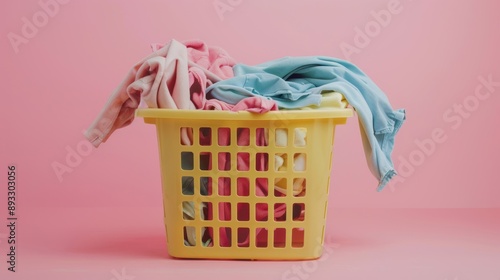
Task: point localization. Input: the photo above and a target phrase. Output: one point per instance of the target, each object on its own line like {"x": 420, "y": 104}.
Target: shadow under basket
{"x": 241, "y": 185}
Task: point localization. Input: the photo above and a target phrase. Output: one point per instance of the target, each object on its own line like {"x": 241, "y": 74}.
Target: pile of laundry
{"x": 194, "y": 76}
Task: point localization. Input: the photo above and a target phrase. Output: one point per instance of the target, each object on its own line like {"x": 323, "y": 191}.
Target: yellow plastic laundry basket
{"x": 208, "y": 156}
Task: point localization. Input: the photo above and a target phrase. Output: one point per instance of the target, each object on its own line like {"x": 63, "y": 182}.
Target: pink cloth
{"x": 174, "y": 76}
{"x": 206, "y": 65}
{"x": 160, "y": 80}
{"x": 214, "y": 59}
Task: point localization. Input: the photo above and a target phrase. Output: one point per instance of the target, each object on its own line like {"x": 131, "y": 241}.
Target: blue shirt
{"x": 295, "y": 82}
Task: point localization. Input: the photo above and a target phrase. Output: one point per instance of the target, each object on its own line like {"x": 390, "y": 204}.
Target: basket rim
{"x": 158, "y": 113}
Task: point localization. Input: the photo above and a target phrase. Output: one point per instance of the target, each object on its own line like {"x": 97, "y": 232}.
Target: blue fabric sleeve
{"x": 295, "y": 82}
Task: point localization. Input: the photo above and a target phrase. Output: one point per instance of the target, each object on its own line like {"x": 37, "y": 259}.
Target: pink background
{"x": 427, "y": 59}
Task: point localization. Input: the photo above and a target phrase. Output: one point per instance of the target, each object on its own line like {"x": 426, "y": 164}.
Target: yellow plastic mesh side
{"x": 205, "y": 160}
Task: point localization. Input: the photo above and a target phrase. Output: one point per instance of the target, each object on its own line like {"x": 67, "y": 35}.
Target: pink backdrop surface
{"x": 427, "y": 59}
{"x": 430, "y": 57}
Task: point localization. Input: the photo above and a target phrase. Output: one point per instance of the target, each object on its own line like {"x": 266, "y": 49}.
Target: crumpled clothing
{"x": 206, "y": 65}
{"x": 268, "y": 86}
{"x": 174, "y": 76}
{"x": 299, "y": 81}
{"x": 329, "y": 100}
{"x": 160, "y": 80}
{"x": 188, "y": 213}
{"x": 299, "y": 160}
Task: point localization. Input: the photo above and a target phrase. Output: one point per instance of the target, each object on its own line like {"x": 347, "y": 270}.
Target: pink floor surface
{"x": 129, "y": 244}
